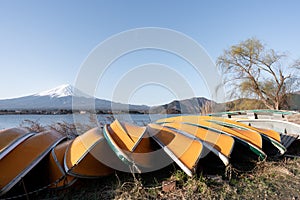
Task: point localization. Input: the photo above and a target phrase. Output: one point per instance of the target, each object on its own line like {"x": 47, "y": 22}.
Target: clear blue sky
{"x": 43, "y": 43}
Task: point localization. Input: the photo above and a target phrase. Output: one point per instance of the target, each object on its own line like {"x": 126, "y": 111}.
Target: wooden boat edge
{"x": 7, "y": 187}
{"x": 15, "y": 143}
{"x": 222, "y": 157}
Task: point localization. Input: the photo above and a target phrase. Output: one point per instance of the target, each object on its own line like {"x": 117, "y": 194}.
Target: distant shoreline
{"x": 65, "y": 112}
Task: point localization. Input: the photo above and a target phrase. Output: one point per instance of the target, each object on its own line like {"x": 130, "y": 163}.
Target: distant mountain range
{"x": 60, "y": 99}
{"x": 188, "y": 106}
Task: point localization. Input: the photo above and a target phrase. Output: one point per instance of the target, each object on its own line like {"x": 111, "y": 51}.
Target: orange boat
{"x": 272, "y": 134}
{"x": 248, "y": 141}
{"x": 89, "y": 156}
{"x": 271, "y": 139}
{"x": 132, "y": 145}
{"x": 252, "y": 137}
{"x": 185, "y": 151}
{"x": 289, "y": 132}
{"x": 219, "y": 144}
{"x": 20, "y": 160}
{"x": 10, "y": 138}
{"x": 57, "y": 175}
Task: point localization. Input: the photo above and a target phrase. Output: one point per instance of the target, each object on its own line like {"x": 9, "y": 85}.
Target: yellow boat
{"x": 135, "y": 133}
{"x": 58, "y": 178}
{"x": 11, "y": 138}
{"x": 19, "y": 161}
{"x": 86, "y": 156}
{"x": 269, "y": 133}
{"x": 254, "y": 138}
{"x": 132, "y": 145}
{"x": 221, "y": 145}
{"x": 289, "y": 132}
{"x": 271, "y": 139}
{"x": 185, "y": 151}
{"x": 244, "y": 140}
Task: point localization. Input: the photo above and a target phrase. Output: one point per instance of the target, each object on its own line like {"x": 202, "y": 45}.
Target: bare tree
{"x": 252, "y": 71}
{"x": 296, "y": 65}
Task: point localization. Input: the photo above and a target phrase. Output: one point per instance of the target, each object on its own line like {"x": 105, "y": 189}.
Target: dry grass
{"x": 269, "y": 180}
{"x": 68, "y": 129}
{"x": 272, "y": 179}
{"x": 294, "y": 118}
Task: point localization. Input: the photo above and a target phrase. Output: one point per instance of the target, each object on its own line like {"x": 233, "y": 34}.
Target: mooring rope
{"x": 37, "y": 190}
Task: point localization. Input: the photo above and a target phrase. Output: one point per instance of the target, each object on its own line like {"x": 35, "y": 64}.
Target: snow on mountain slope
{"x": 62, "y": 97}
{"x": 62, "y": 91}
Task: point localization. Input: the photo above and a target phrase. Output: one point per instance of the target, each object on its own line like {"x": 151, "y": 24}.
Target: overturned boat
{"x": 89, "y": 156}
{"x": 289, "y": 132}
{"x": 11, "y": 138}
{"x": 271, "y": 139}
{"x": 24, "y": 157}
{"x": 132, "y": 145}
{"x": 58, "y": 178}
{"x": 184, "y": 151}
{"x": 221, "y": 145}
{"x": 248, "y": 144}
{"x": 255, "y": 114}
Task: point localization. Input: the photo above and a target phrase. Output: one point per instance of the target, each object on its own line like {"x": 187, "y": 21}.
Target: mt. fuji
{"x": 66, "y": 98}
{"x": 62, "y": 91}
{"x": 62, "y": 98}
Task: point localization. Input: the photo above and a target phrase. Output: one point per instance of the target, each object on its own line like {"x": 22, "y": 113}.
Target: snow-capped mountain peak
{"x": 61, "y": 98}
{"x": 61, "y": 91}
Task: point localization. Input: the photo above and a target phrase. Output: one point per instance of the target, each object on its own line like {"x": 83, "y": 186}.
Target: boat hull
{"x": 11, "y": 138}
{"x": 58, "y": 178}
{"x": 22, "y": 159}
{"x": 251, "y": 144}
{"x": 133, "y": 146}
{"x": 185, "y": 151}
{"x": 85, "y": 157}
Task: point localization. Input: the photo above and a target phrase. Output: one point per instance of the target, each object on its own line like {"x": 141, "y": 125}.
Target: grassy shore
{"x": 272, "y": 179}
{"x": 277, "y": 179}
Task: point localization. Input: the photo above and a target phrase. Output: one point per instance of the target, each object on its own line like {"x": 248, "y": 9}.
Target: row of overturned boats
{"x": 50, "y": 160}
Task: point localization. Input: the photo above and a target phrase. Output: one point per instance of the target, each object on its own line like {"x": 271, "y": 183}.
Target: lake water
{"x": 9, "y": 121}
